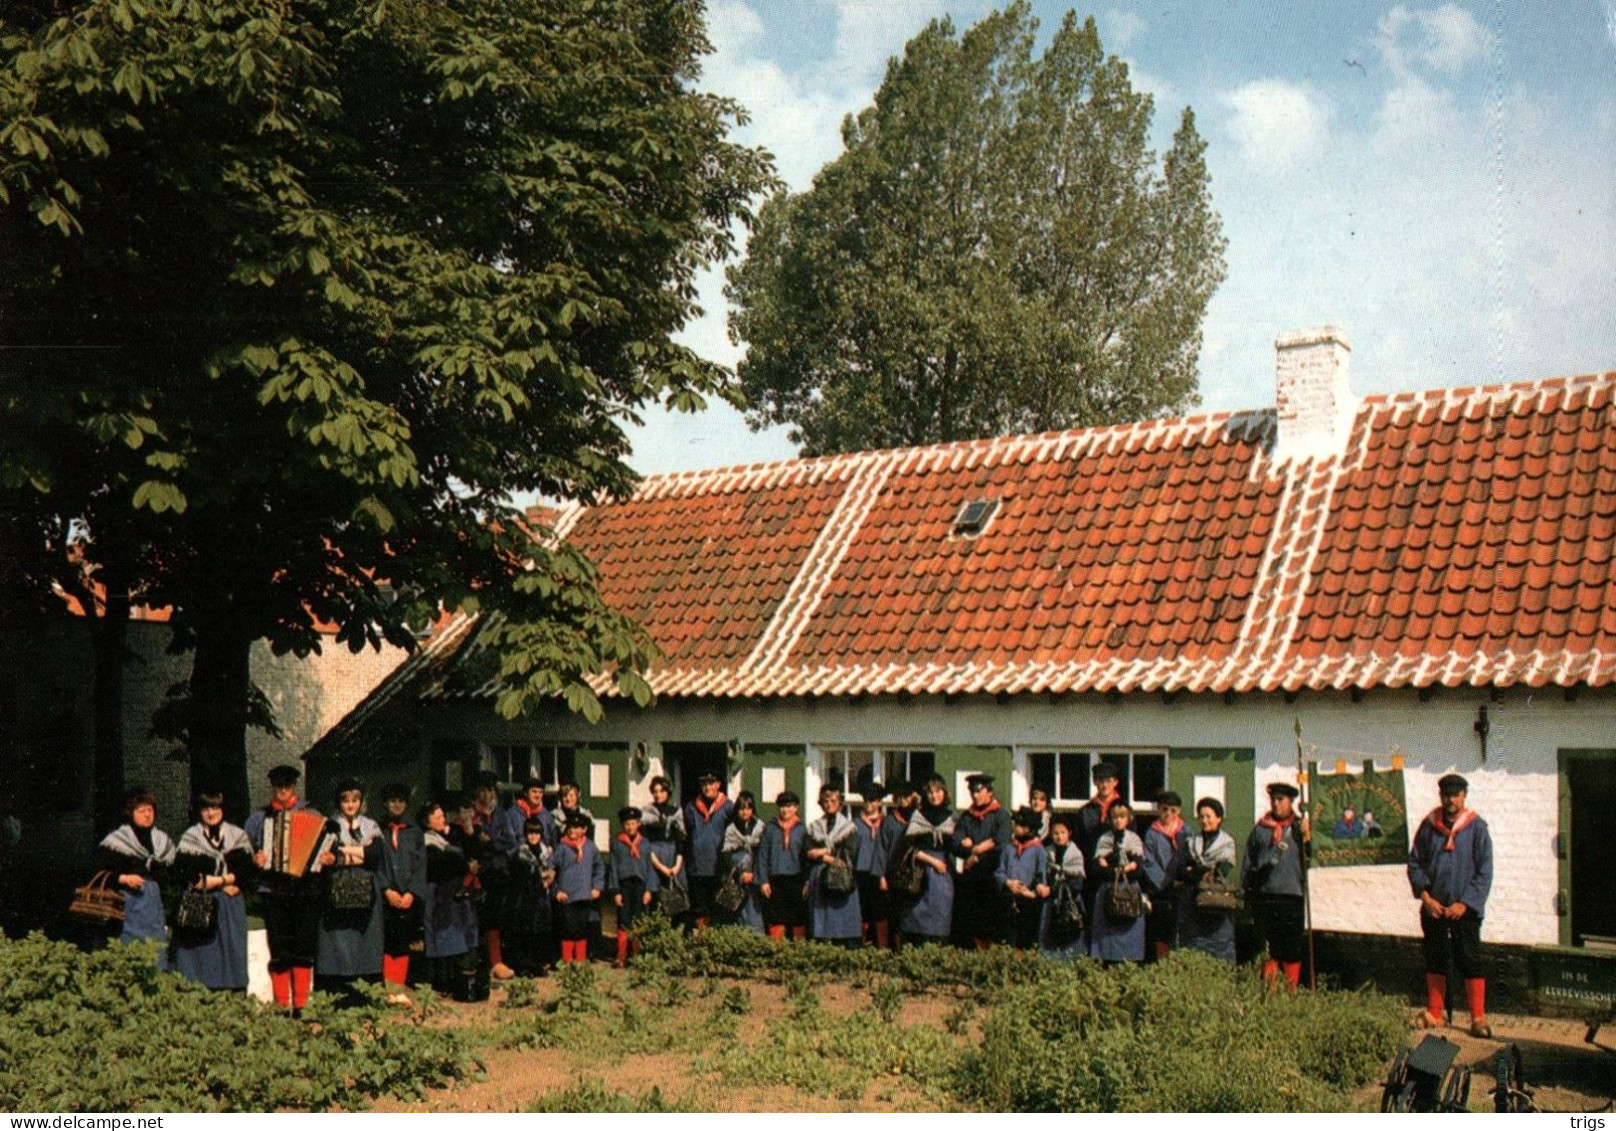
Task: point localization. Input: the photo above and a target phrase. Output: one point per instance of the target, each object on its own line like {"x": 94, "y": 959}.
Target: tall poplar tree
{"x": 297, "y": 295}
{"x": 996, "y": 250}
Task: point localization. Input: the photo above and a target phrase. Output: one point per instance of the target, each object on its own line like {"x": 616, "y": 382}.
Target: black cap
{"x": 979, "y": 781}
{"x": 533, "y": 783}
{"x": 1283, "y": 789}
{"x": 1451, "y": 783}
{"x": 578, "y": 821}
{"x": 788, "y": 798}
{"x": 1028, "y": 817}
{"x": 898, "y": 790}
{"x": 708, "y": 778}
{"x": 486, "y": 779}
{"x": 1103, "y": 771}
{"x": 1168, "y": 797}
{"x": 396, "y": 791}
{"x": 627, "y": 813}
{"x": 281, "y": 776}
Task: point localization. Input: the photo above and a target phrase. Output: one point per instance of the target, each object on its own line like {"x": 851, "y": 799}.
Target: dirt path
{"x": 517, "y": 1078}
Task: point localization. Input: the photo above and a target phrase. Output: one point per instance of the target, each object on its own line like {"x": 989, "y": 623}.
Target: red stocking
{"x": 1293, "y": 974}
{"x": 496, "y": 947}
{"x": 302, "y": 982}
{"x": 1270, "y": 971}
{"x": 777, "y": 933}
{"x": 622, "y": 948}
{"x": 1436, "y": 995}
{"x": 1476, "y": 991}
{"x": 280, "y": 981}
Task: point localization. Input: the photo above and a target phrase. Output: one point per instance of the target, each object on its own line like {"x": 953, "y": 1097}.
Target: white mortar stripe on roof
{"x": 807, "y": 589}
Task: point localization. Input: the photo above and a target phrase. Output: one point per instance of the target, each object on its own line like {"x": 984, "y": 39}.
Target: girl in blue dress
{"x": 928, "y": 917}
{"x": 216, "y": 857}
{"x": 1117, "y": 857}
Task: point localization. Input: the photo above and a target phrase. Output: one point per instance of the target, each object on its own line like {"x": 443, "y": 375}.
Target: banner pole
{"x": 1302, "y": 784}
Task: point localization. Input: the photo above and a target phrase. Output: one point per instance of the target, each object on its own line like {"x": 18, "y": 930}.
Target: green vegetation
{"x": 108, "y": 1032}
{"x": 414, "y": 258}
{"x": 997, "y": 249}
{"x": 1190, "y": 1034}
{"x": 592, "y": 1096}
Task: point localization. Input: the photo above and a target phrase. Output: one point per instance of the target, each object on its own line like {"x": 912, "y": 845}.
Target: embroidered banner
{"x": 1359, "y": 818}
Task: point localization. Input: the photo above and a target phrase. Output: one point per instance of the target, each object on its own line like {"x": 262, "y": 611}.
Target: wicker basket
{"x": 98, "y": 902}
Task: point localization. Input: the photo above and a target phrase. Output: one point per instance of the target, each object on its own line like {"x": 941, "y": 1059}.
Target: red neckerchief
{"x": 1435, "y": 821}
{"x": 980, "y": 811}
{"x": 393, "y": 827}
{"x": 527, "y": 810}
{"x": 277, "y": 807}
{"x": 1105, "y": 801}
{"x": 1269, "y": 821}
{"x": 576, "y": 845}
{"x": 707, "y": 813}
{"x": 786, "y": 827}
{"x": 633, "y": 845}
{"x": 1023, "y": 845}
{"x": 1171, "y": 831}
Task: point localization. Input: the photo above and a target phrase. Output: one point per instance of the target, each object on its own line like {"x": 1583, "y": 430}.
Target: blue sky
{"x": 1437, "y": 179}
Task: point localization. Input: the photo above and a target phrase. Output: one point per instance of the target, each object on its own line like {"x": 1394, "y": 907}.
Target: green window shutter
{"x": 955, "y": 760}
{"x": 774, "y": 756}
{"x": 614, "y": 757}
{"x": 1237, "y": 767}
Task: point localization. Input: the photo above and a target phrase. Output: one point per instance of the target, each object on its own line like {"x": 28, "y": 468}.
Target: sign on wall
{"x": 1359, "y": 819}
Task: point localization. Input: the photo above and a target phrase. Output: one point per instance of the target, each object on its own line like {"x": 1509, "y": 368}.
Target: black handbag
{"x": 351, "y": 889}
{"x": 731, "y": 894}
{"x": 1214, "y": 895}
{"x": 674, "y": 900}
{"x": 1066, "y": 909}
{"x": 195, "y": 913}
{"x": 838, "y": 878}
{"x": 1124, "y": 902}
{"x": 907, "y": 877}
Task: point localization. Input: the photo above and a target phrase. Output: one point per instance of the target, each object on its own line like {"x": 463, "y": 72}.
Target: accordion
{"x": 293, "y": 841}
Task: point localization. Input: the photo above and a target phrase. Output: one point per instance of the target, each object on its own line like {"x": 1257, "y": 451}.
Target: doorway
{"x": 685, "y": 762}
{"x": 1587, "y": 853}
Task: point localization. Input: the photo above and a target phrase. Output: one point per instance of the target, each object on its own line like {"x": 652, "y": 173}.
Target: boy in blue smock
{"x": 580, "y": 878}
{"x": 1022, "y": 874}
{"x": 631, "y": 879}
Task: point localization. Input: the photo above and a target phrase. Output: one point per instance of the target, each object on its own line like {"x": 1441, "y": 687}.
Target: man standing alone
{"x": 1450, "y": 868}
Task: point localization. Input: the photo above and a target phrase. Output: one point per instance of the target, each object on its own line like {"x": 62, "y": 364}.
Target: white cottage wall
{"x": 1516, "y": 789}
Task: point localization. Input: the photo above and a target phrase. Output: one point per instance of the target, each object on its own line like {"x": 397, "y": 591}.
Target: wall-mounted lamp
{"x": 733, "y": 761}
{"x": 1483, "y": 728}
{"x": 640, "y": 762}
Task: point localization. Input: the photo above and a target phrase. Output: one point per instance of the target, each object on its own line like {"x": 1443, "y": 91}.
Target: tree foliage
{"x": 299, "y": 295}
{"x": 996, "y": 250}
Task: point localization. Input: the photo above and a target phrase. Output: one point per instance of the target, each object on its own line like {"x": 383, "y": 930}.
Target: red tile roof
{"x": 1462, "y": 537}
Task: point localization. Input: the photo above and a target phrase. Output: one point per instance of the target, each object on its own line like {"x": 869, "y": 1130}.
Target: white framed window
{"x": 515, "y": 763}
{"x": 1064, "y": 772}
{"x": 858, "y": 769}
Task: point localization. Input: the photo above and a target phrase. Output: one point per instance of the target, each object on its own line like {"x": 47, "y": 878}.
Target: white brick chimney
{"x": 1316, "y": 405}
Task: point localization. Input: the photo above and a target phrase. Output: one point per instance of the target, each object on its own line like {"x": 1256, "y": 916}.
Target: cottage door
{"x": 687, "y": 761}
{"x": 1588, "y": 852}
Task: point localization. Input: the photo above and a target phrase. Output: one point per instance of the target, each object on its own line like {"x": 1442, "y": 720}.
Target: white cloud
{"x": 1276, "y": 124}
{"x": 1122, "y": 29}
{"x": 1446, "y": 39}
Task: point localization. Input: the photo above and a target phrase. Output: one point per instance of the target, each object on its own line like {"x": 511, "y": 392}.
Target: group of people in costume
{"x": 490, "y": 891}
